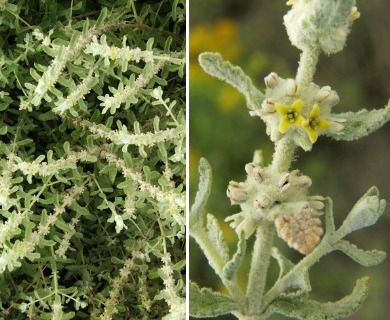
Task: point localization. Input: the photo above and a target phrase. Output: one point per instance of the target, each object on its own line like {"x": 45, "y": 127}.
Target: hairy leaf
{"x": 207, "y": 303}
{"x": 312, "y": 310}
{"x": 213, "y": 64}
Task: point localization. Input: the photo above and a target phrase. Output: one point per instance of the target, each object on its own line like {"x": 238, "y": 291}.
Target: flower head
{"x": 315, "y": 123}
{"x": 291, "y": 115}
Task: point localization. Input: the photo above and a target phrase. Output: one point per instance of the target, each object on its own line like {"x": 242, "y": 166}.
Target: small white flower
{"x": 157, "y": 93}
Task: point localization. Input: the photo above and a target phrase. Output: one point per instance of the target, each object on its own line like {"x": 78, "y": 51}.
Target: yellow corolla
{"x": 315, "y": 123}
{"x": 291, "y": 115}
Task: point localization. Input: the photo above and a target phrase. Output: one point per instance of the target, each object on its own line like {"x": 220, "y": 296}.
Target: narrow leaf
{"x": 213, "y": 64}
{"x": 329, "y": 221}
{"x": 101, "y": 18}
{"x": 360, "y": 124}
{"x": 205, "y": 180}
{"x": 365, "y": 258}
{"x": 216, "y": 237}
{"x": 313, "y": 310}
{"x": 206, "y": 303}
{"x": 231, "y": 268}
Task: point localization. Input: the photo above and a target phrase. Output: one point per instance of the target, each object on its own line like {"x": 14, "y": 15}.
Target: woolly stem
{"x": 283, "y": 155}
{"x": 307, "y": 66}
{"x": 259, "y": 266}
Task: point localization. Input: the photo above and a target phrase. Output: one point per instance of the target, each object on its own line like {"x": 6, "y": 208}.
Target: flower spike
{"x": 290, "y": 115}
{"x": 315, "y": 123}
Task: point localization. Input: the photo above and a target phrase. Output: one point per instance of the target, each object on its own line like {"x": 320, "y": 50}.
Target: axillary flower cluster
{"x": 301, "y": 113}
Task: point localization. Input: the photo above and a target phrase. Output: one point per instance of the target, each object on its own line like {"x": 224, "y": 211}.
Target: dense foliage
{"x": 92, "y": 159}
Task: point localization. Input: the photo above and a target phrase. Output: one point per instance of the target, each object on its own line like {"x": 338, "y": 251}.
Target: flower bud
{"x": 292, "y": 88}
{"x": 255, "y": 172}
{"x": 268, "y": 105}
{"x": 327, "y": 96}
{"x": 236, "y": 193}
{"x": 272, "y": 80}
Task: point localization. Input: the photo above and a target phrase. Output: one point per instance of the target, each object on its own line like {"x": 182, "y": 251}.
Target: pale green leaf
{"x": 231, "y": 268}
{"x": 205, "y": 180}
{"x": 360, "y": 124}
{"x": 216, "y": 237}
{"x": 363, "y": 257}
{"x": 213, "y": 64}
{"x": 298, "y": 308}
{"x": 205, "y": 303}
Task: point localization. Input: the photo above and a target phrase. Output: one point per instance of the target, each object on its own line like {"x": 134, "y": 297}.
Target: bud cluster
{"x": 281, "y": 198}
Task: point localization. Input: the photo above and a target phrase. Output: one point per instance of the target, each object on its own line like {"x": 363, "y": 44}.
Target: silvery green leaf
{"x": 299, "y": 308}
{"x": 205, "y": 180}
{"x": 329, "y": 221}
{"x": 205, "y": 303}
{"x": 231, "y": 268}
{"x": 213, "y": 64}
{"x": 365, "y": 258}
{"x": 215, "y": 235}
{"x": 360, "y": 124}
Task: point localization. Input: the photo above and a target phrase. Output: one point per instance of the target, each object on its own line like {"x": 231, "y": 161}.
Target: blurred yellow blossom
{"x": 222, "y": 36}
{"x": 228, "y": 99}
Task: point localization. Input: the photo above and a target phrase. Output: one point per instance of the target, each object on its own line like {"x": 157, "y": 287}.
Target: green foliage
{"x": 92, "y": 159}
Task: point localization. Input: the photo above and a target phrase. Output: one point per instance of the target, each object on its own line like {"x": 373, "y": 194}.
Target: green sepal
{"x": 231, "y": 268}
{"x": 213, "y": 64}
{"x": 363, "y": 257}
{"x": 198, "y": 208}
{"x": 205, "y": 303}
{"x": 360, "y": 124}
{"x": 215, "y": 235}
{"x": 298, "y": 308}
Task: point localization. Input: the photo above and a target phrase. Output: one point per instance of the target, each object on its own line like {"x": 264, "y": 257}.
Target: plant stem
{"x": 302, "y": 266}
{"x": 283, "y": 155}
{"x": 259, "y": 266}
{"x": 307, "y": 66}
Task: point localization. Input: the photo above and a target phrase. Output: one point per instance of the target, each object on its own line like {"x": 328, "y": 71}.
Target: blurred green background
{"x": 251, "y": 34}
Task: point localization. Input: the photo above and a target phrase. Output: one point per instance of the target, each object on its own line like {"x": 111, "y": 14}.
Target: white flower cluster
{"x": 125, "y": 54}
{"x": 127, "y": 93}
{"x": 118, "y": 283}
{"x": 31, "y": 169}
{"x": 76, "y": 94}
{"x": 173, "y": 201}
{"x": 65, "y": 241}
{"x": 175, "y": 302}
{"x": 12, "y": 254}
{"x": 63, "y": 54}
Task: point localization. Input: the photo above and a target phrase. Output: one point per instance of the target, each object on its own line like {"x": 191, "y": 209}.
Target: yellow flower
{"x": 314, "y": 123}
{"x": 290, "y": 115}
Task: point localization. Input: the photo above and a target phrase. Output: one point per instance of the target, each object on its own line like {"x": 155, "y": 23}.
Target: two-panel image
{"x": 193, "y": 159}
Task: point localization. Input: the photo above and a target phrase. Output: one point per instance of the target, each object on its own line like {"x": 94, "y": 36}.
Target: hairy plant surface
{"x": 92, "y": 159}
{"x": 274, "y": 199}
